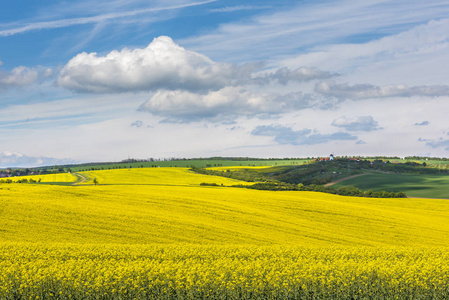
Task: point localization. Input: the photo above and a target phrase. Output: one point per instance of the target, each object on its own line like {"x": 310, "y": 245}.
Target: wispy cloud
{"x": 367, "y": 91}
{"x": 66, "y": 112}
{"x": 311, "y": 25}
{"x": 363, "y": 123}
{"x": 17, "y": 28}
{"x": 286, "y": 135}
{"x": 238, "y": 8}
{"x": 286, "y": 75}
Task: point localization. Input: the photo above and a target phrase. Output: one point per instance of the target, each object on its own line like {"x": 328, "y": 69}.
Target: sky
{"x": 97, "y": 80}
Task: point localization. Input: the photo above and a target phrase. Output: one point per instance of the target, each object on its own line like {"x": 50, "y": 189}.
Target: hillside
{"x": 166, "y": 205}
{"x": 431, "y": 186}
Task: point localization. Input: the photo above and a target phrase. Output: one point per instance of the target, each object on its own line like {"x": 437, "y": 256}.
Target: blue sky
{"x": 104, "y": 80}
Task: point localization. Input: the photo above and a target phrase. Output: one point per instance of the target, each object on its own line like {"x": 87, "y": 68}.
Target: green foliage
{"x": 343, "y": 191}
{"x": 306, "y": 177}
{"x": 208, "y": 184}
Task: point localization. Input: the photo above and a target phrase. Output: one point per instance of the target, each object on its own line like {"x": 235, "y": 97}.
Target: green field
{"x": 429, "y": 186}
{"x": 431, "y": 162}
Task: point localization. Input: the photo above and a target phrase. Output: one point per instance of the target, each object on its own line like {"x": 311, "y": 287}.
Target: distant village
{"x": 10, "y": 172}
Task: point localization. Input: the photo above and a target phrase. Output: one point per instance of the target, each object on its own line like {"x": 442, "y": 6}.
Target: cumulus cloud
{"x": 161, "y": 65}
{"x": 285, "y": 75}
{"x": 186, "y": 106}
{"x": 363, "y": 123}
{"x": 19, "y": 160}
{"x": 17, "y": 77}
{"x": 369, "y": 91}
{"x": 423, "y": 123}
{"x": 286, "y": 135}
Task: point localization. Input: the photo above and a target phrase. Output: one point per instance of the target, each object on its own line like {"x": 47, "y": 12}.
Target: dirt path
{"x": 340, "y": 180}
{"x": 81, "y": 181}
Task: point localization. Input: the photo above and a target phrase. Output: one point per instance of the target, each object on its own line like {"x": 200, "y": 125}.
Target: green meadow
{"x": 429, "y": 186}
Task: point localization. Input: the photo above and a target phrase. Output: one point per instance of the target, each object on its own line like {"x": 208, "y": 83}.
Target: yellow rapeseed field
{"x": 47, "y": 271}
{"x": 59, "y": 177}
{"x": 155, "y": 176}
{"x": 156, "y": 233}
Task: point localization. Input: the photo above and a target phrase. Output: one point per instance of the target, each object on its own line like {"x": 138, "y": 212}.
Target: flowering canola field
{"x": 60, "y": 177}
{"x": 156, "y": 233}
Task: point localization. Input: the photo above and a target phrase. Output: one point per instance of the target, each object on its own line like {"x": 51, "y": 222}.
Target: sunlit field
{"x": 46, "y": 178}
{"x": 156, "y": 233}
{"x": 155, "y": 176}
{"x": 222, "y": 271}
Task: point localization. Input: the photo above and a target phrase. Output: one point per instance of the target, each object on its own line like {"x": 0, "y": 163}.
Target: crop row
{"x": 185, "y": 271}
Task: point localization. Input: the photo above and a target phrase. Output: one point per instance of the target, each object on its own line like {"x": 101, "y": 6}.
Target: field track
{"x": 83, "y": 179}
{"x": 343, "y": 179}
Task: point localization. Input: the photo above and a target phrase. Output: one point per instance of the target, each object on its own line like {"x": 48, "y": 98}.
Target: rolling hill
{"x": 156, "y": 233}
{"x": 168, "y": 205}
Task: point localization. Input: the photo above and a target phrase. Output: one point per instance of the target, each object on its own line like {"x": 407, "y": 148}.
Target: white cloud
{"x": 186, "y": 106}
{"x": 369, "y": 91}
{"x": 363, "y": 123}
{"x": 161, "y": 65}
{"x": 20, "y": 76}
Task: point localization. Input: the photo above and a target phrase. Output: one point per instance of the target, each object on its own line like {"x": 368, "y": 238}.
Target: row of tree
{"x": 23, "y": 180}
{"x": 343, "y": 191}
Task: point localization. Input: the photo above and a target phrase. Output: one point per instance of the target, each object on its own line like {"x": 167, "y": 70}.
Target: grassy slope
{"x": 168, "y": 206}
{"x": 432, "y": 186}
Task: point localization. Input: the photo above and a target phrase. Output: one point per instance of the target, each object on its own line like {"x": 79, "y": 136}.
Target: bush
{"x": 208, "y": 184}
{"x": 349, "y": 191}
